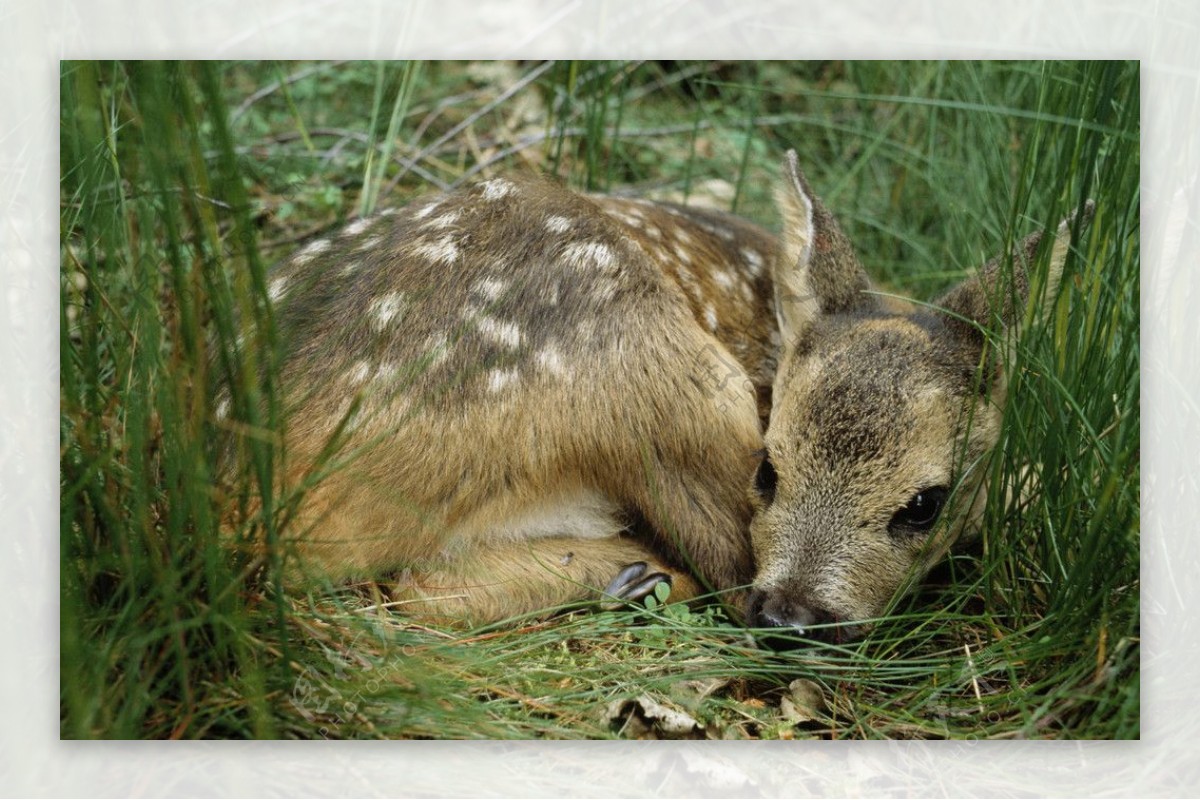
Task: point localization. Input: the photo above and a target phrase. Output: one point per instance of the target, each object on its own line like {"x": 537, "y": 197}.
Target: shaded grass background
{"x": 181, "y": 182}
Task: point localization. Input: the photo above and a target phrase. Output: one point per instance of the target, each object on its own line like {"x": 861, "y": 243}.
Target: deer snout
{"x": 772, "y": 608}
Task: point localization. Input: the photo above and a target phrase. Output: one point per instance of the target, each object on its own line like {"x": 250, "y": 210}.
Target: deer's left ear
{"x": 817, "y": 271}
{"x": 987, "y": 300}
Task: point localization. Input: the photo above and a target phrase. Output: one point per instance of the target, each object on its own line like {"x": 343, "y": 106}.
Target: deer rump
{"x": 537, "y": 389}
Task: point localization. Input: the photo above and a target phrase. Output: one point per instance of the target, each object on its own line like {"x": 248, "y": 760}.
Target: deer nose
{"x": 776, "y": 610}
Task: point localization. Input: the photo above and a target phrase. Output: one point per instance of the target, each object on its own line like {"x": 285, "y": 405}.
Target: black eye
{"x": 764, "y": 479}
{"x": 921, "y": 512}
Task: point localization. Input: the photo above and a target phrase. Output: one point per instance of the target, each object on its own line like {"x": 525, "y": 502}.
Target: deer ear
{"x": 988, "y": 301}
{"x": 816, "y": 271}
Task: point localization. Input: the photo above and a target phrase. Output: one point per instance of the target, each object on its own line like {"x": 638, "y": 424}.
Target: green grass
{"x": 182, "y": 182}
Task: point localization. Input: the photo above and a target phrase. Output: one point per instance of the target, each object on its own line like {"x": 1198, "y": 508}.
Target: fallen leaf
{"x": 804, "y": 702}
{"x": 647, "y": 718}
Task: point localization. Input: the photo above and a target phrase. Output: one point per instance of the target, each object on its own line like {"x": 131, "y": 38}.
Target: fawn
{"x": 548, "y": 394}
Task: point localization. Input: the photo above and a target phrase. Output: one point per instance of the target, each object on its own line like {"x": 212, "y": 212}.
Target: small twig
{"x": 344, "y": 134}
{"x": 395, "y": 603}
{"x": 1101, "y": 654}
{"x": 436, "y": 111}
{"x": 537, "y": 705}
{"x": 214, "y": 201}
{"x": 974, "y": 679}
{"x": 483, "y": 637}
{"x": 533, "y": 75}
{"x": 275, "y": 86}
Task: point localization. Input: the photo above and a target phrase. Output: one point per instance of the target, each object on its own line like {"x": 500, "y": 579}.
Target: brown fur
{"x": 525, "y": 358}
{"x": 540, "y": 388}
{"x": 874, "y": 407}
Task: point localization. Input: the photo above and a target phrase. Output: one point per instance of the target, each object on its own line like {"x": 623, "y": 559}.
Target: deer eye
{"x": 921, "y": 512}
{"x": 765, "y": 478}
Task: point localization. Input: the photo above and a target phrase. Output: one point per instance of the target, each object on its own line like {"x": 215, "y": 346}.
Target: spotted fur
{"x": 532, "y": 401}
{"x": 536, "y": 388}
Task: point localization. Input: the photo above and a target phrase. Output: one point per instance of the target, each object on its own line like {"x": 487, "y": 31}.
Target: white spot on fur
{"x": 590, "y": 254}
{"x": 386, "y": 372}
{"x": 551, "y": 360}
{"x": 386, "y": 309}
{"x": 277, "y": 288}
{"x": 439, "y": 349}
{"x": 369, "y": 243}
{"x": 557, "y": 224}
{"x": 491, "y": 288}
{"x": 426, "y": 211}
{"x": 716, "y": 229}
{"x": 682, "y": 255}
{"x": 506, "y": 334}
{"x": 387, "y": 212}
{"x": 497, "y": 188}
{"x": 352, "y": 422}
{"x": 350, "y": 267}
{"x": 633, "y": 220}
{"x": 445, "y": 220}
{"x": 498, "y": 379}
{"x": 358, "y": 226}
{"x": 710, "y": 318}
{"x": 684, "y": 276}
{"x": 359, "y": 372}
{"x": 754, "y": 260}
{"x": 311, "y": 250}
{"x": 724, "y": 279}
{"x": 443, "y": 251}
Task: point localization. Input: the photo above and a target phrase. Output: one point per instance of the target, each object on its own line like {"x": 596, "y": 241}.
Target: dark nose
{"x": 796, "y": 618}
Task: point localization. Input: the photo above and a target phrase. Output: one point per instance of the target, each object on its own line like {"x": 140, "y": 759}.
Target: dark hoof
{"x": 633, "y": 583}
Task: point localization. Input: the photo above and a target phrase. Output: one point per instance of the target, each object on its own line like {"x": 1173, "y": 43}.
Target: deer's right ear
{"x": 817, "y": 271}
{"x": 996, "y": 298}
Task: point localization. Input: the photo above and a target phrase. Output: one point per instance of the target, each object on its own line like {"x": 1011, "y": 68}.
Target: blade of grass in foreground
{"x": 154, "y": 612}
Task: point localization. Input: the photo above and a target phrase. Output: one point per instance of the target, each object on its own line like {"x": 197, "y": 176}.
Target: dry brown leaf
{"x": 804, "y": 702}
{"x": 647, "y": 718}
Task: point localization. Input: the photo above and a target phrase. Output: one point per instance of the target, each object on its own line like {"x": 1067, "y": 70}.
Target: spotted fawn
{"x": 545, "y": 397}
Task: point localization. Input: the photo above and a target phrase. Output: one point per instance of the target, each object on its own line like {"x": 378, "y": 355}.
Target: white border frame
{"x": 35, "y": 35}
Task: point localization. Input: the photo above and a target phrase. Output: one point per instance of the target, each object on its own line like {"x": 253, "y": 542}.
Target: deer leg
{"x": 488, "y": 582}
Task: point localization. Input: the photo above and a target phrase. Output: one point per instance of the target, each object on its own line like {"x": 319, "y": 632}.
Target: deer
{"x": 551, "y": 397}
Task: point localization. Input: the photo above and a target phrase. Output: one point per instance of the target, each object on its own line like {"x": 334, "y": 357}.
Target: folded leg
{"x": 490, "y": 581}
